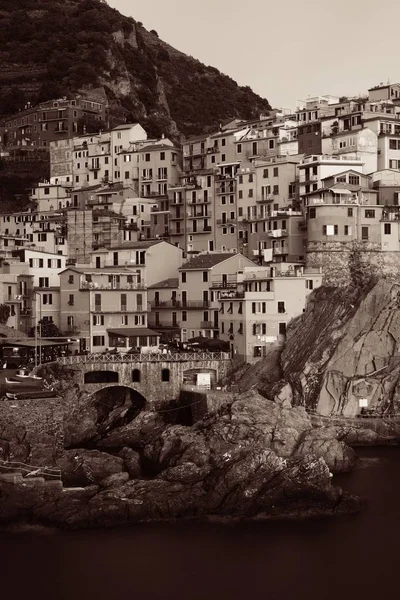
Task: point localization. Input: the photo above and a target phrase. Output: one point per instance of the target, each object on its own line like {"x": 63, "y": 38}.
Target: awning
{"x": 132, "y": 331}
{"x": 343, "y": 191}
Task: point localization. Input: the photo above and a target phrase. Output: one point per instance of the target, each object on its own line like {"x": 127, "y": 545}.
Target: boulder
{"x": 131, "y": 462}
{"x": 323, "y": 442}
{"x": 87, "y": 467}
{"x": 115, "y": 480}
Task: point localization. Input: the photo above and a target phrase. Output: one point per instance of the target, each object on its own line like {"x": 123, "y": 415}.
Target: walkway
{"x": 143, "y": 358}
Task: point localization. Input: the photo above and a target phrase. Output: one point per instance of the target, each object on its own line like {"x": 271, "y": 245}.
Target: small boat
{"x": 24, "y": 377}
{"x": 30, "y": 395}
{"x": 13, "y": 381}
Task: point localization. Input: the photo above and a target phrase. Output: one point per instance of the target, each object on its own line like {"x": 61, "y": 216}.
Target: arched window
{"x": 136, "y": 376}
{"x": 165, "y": 375}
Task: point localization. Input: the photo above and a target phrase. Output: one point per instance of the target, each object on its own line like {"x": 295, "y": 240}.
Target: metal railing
{"x": 29, "y": 470}
{"x": 144, "y": 358}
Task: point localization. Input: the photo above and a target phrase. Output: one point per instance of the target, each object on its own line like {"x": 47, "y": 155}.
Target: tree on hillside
{"x": 4, "y": 313}
{"x": 89, "y": 124}
{"x": 47, "y": 329}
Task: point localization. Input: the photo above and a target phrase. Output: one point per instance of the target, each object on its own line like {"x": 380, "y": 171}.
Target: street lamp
{"x": 38, "y": 326}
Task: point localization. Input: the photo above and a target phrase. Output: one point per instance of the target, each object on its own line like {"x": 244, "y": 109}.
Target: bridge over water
{"x": 156, "y": 377}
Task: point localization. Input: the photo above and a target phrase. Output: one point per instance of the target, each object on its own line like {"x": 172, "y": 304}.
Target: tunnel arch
{"x": 101, "y": 377}
{"x": 117, "y": 405}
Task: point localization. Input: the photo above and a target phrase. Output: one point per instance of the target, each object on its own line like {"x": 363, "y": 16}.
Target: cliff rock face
{"x": 53, "y": 49}
{"x": 251, "y": 459}
{"x": 343, "y": 349}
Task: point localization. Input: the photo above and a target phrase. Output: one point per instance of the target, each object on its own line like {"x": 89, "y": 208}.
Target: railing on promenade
{"x": 51, "y": 473}
{"x": 144, "y": 358}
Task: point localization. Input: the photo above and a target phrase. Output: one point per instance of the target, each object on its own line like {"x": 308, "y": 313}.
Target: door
{"x": 173, "y": 298}
{"x": 184, "y": 298}
{"x": 157, "y": 298}
{"x": 224, "y": 280}
{"x": 98, "y": 262}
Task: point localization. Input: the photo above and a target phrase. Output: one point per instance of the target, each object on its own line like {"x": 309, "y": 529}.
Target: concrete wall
{"x": 336, "y": 259}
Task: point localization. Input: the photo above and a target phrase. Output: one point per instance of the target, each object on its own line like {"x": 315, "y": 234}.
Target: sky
{"x": 285, "y": 50}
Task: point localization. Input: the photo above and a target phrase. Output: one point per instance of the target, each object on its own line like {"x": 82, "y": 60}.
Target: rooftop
{"x": 207, "y": 260}
{"x": 125, "y": 126}
{"x": 173, "y": 282}
{"x": 137, "y": 245}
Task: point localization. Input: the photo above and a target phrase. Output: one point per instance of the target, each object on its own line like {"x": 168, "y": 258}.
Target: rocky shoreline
{"x": 252, "y": 460}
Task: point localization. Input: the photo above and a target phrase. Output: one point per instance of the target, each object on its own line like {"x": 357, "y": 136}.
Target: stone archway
{"x": 116, "y": 406}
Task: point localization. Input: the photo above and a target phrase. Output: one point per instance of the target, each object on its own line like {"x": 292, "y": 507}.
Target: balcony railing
{"x": 122, "y": 309}
{"x": 91, "y": 285}
{"x": 278, "y": 251}
{"x": 142, "y": 358}
{"x": 94, "y": 167}
{"x": 175, "y": 325}
{"x": 195, "y": 304}
{"x": 205, "y": 229}
{"x": 208, "y": 325}
{"x": 231, "y": 294}
{"x": 276, "y": 233}
{"x": 165, "y": 304}
{"x": 199, "y": 201}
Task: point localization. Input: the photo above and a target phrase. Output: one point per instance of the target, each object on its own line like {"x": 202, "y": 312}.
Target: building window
{"x": 136, "y": 376}
{"x": 354, "y": 180}
{"x": 369, "y": 214}
{"x": 183, "y": 277}
{"x": 312, "y": 213}
{"x": 184, "y": 315}
{"x": 281, "y": 307}
{"x": 276, "y": 190}
{"x": 98, "y": 340}
{"x": 165, "y": 375}
{"x": 276, "y": 171}
{"x": 347, "y": 230}
{"x": 71, "y": 300}
{"x": 364, "y": 233}
{"x": 265, "y": 174}
{"x": 239, "y": 148}
{"x": 223, "y": 142}
{"x": 309, "y": 284}
{"x": 349, "y": 212}
{"x": 205, "y": 275}
{"x": 387, "y": 228}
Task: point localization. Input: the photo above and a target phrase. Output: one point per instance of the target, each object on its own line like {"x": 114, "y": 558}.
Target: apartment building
{"x": 198, "y": 291}
{"x": 41, "y": 231}
{"x": 313, "y": 169}
{"x": 278, "y": 237}
{"x": 257, "y": 304}
{"x": 341, "y": 213}
{"x": 38, "y": 126}
{"x": 308, "y": 118}
{"x": 391, "y": 91}
{"x": 165, "y": 313}
{"x": 49, "y": 196}
{"x": 361, "y": 143}
{"x": 387, "y": 184}
{"x": 44, "y": 268}
{"x": 16, "y": 292}
{"x": 152, "y": 259}
{"x": 105, "y": 308}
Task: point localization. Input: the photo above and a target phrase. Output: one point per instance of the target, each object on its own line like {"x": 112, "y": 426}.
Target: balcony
{"x": 218, "y": 282}
{"x": 94, "y": 285}
{"x": 199, "y": 201}
{"x": 205, "y": 229}
{"x": 165, "y": 326}
{"x": 230, "y": 189}
{"x": 61, "y": 130}
{"x": 176, "y": 217}
{"x": 195, "y": 304}
{"x": 166, "y": 304}
{"x": 226, "y": 221}
{"x": 231, "y": 295}
{"x": 94, "y": 167}
{"x": 277, "y": 233}
{"x": 263, "y": 199}
{"x": 280, "y": 251}
{"x": 123, "y": 309}
{"x": 208, "y": 325}
{"x": 198, "y": 216}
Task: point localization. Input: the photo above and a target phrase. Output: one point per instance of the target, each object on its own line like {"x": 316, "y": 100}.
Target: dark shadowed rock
{"x": 86, "y": 467}
{"x": 115, "y": 480}
{"x": 323, "y": 442}
{"x": 131, "y": 462}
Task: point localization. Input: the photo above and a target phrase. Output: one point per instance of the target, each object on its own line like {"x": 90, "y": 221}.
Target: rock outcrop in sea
{"x": 254, "y": 458}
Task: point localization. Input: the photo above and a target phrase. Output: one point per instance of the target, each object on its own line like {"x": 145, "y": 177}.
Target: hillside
{"x": 54, "y": 48}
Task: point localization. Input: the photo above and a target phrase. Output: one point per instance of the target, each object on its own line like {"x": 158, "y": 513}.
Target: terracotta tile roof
{"x": 206, "y": 260}
{"x": 173, "y": 282}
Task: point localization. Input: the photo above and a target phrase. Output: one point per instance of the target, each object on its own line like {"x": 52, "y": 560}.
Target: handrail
{"x": 135, "y": 358}
{"x": 30, "y": 470}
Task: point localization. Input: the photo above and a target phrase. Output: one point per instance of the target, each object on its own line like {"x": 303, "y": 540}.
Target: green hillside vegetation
{"x": 53, "y": 49}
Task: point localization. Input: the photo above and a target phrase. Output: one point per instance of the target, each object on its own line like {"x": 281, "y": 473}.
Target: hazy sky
{"x": 284, "y": 50}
